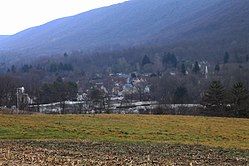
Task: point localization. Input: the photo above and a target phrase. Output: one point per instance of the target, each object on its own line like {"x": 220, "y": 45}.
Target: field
{"x": 134, "y": 139}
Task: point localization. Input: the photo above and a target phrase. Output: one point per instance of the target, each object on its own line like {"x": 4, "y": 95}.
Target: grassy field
{"x": 215, "y": 132}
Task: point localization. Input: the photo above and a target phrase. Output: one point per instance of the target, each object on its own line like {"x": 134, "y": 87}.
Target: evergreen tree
{"x": 65, "y": 55}
{"x": 217, "y": 68}
{"x": 170, "y": 59}
{"x": 59, "y": 91}
{"x": 183, "y": 69}
{"x": 226, "y": 57}
{"x": 13, "y": 69}
{"x": 26, "y": 68}
{"x": 53, "y": 68}
{"x": 180, "y": 95}
{"x": 133, "y": 75}
{"x": 238, "y": 58}
{"x": 96, "y": 94}
{"x": 239, "y": 98}
{"x": 196, "y": 68}
{"x": 146, "y": 60}
{"x": 214, "y": 98}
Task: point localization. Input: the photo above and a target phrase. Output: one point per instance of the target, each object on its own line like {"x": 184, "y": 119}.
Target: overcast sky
{"x": 17, "y": 15}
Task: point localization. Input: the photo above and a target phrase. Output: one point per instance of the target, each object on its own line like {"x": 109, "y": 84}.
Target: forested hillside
{"x": 194, "y": 28}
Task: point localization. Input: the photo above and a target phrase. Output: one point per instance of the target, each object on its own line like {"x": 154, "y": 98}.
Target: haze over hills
{"x": 179, "y": 24}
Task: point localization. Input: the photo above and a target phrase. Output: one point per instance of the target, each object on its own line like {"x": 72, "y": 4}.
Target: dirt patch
{"x": 93, "y": 153}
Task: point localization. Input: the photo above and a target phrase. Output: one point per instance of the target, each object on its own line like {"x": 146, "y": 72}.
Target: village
{"x": 118, "y": 93}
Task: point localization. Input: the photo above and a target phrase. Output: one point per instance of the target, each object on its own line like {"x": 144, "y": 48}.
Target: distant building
{"x": 147, "y": 89}
{"x": 23, "y": 100}
{"x": 82, "y": 97}
{"x": 129, "y": 89}
{"x": 206, "y": 72}
{"x": 172, "y": 73}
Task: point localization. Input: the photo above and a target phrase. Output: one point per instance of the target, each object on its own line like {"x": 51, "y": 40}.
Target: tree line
{"x": 234, "y": 102}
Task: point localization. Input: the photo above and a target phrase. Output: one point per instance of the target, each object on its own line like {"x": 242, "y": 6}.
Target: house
{"x": 23, "y": 99}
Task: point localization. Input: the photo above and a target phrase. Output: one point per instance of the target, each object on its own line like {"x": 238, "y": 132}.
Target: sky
{"x": 17, "y": 15}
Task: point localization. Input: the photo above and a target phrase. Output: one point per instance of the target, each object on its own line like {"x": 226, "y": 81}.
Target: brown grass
{"x": 215, "y": 132}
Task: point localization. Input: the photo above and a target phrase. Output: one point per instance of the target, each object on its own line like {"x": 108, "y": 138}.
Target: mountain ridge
{"x": 136, "y": 23}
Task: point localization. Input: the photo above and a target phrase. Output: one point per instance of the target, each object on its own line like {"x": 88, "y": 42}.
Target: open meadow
{"x": 216, "y": 132}
{"x": 134, "y": 139}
